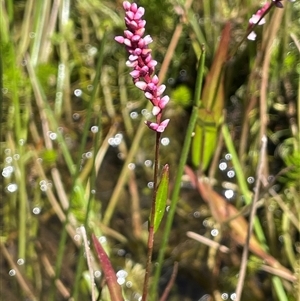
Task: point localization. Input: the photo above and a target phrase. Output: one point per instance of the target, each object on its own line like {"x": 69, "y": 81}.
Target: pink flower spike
{"x": 158, "y": 127}
{"x": 133, "y": 57}
{"x": 148, "y": 39}
{"x": 140, "y": 31}
{"x": 131, "y": 64}
{"x": 251, "y": 36}
{"x": 156, "y": 110}
{"x": 127, "y": 42}
{"x": 141, "y": 85}
{"x": 135, "y": 74}
{"x": 255, "y": 18}
{"x": 119, "y": 39}
{"x": 140, "y": 12}
{"x": 161, "y": 89}
{"x": 129, "y": 15}
{"x": 126, "y": 5}
{"x": 152, "y": 64}
{"x": 133, "y": 7}
{"x": 163, "y": 102}
{"x": 162, "y": 126}
{"x": 149, "y": 95}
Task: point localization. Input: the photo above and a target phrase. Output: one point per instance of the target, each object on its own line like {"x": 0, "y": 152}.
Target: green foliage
{"x": 161, "y": 198}
{"x": 182, "y": 96}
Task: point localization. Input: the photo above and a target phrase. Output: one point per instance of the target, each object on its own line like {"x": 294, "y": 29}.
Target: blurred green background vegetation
{"x": 70, "y": 154}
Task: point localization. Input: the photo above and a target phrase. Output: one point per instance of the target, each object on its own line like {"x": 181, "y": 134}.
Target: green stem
{"x": 183, "y": 159}
{"x": 242, "y": 183}
{"x": 151, "y": 221}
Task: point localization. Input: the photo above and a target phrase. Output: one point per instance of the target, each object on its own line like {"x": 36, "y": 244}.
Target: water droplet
{"x": 7, "y": 171}
{"x": 24, "y": 63}
{"x": 32, "y": 35}
{"x": 250, "y": 180}
{"x": 12, "y": 187}
{"x": 134, "y": 115}
{"x": 150, "y": 185}
{"x": 122, "y": 274}
{"x": 121, "y": 252}
{"x": 97, "y": 274}
{"x": 196, "y": 214}
{"x": 121, "y": 156}
{"x": 223, "y": 166}
{"x": 233, "y": 296}
{"x": 224, "y": 296}
{"x": 146, "y": 113}
{"x": 165, "y": 141}
{"x": 230, "y": 173}
{"x": 49, "y": 185}
{"x": 111, "y": 141}
{"x": 12, "y": 272}
{"x": 102, "y": 239}
{"x": 43, "y": 187}
{"x": 93, "y": 191}
{"x": 7, "y": 151}
{"x": 21, "y": 142}
{"x": 8, "y": 160}
{"x": 78, "y": 92}
{"x": 4, "y": 90}
{"x": 148, "y": 163}
{"x": 43, "y": 182}
{"x": 94, "y": 129}
{"x": 117, "y": 141}
{"x": 229, "y": 193}
{"x": 214, "y": 232}
{"x": 129, "y": 284}
{"x": 131, "y": 166}
{"x": 168, "y": 208}
{"x": 36, "y": 210}
{"x": 92, "y": 51}
{"x": 121, "y": 280}
{"x": 20, "y": 261}
{"x": 16, "y": 157}
{"x": 90, "y": 88}
{"x": 52, "y": 136}
{"x": 228, "y": 157}
{"x": 89, "y": 155}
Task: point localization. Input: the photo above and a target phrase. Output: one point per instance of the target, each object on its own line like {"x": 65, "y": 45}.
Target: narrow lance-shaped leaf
{"x": 109, "y": 273}
{"x": 161, "y": 197}
{"x": 204, "y": 141}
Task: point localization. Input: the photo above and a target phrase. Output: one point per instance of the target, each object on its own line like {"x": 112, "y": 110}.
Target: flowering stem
{"x": 183, "y": 159}
{"x": 251, "y": 28}
{"x": 151, "y": 221}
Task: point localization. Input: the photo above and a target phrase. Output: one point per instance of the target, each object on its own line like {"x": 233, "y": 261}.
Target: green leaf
{"x": 161, "y": 197}
{"x": 209, "y": 115}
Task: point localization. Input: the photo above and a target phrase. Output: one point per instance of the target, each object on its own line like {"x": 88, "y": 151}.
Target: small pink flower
{"x": 158, "y": 127}
{"x": 258, "y": 17}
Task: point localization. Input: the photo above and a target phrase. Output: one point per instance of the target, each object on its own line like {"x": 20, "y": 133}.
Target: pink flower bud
{"x": 141, "y": 85}
{"x": 126, "y": 5}
{"x": 119, "y": 39}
